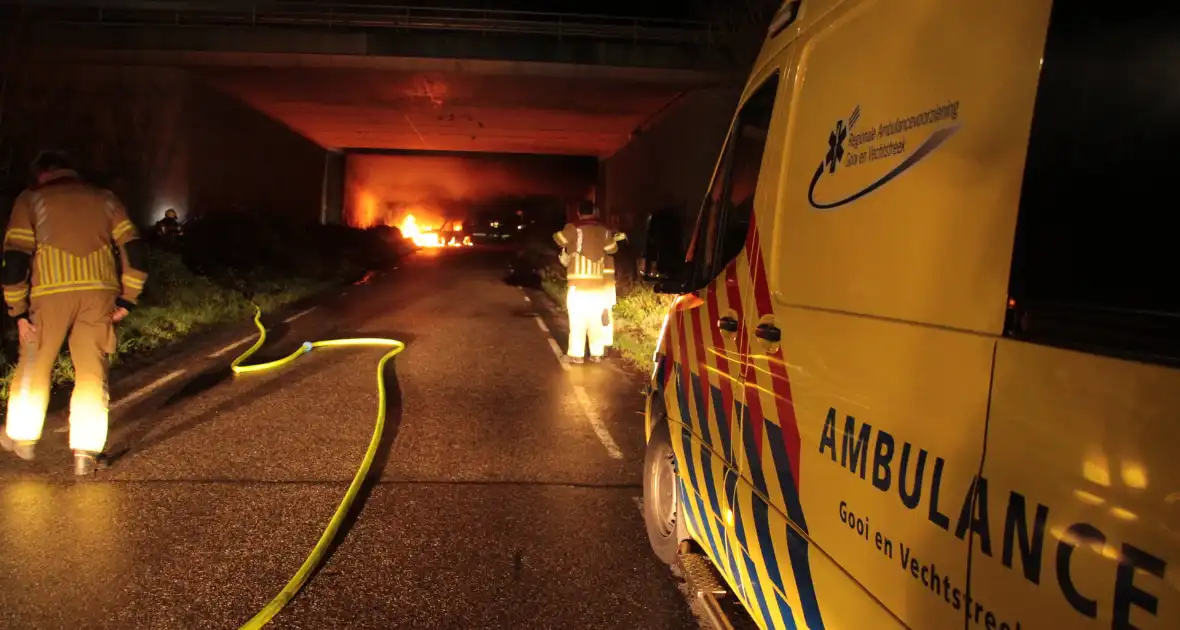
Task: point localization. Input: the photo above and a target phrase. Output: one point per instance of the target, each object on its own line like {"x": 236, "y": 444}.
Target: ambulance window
{"x": 1094, "y": 264}
{"x": 749, "y": 140}
{"x": 725, "y": 218}
{"x": 704, "y": 242}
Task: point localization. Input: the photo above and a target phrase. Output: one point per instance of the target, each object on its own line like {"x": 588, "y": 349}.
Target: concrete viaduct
{"x": 258, "y": 102}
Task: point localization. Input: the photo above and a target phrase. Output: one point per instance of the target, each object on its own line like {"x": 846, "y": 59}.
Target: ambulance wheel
{"x": 661, "y": 500}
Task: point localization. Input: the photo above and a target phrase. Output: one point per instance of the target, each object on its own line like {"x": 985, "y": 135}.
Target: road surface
{"x": 505, "y": 495}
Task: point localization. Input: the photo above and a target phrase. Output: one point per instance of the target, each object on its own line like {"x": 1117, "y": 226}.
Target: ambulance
{"x": 922, "y": 366}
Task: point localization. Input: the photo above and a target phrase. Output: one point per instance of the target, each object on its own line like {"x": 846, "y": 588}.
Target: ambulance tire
{"x": 661, "y": 500}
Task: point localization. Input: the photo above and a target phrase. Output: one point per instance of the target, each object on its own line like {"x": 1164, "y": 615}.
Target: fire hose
{"x": 316, "y": 557}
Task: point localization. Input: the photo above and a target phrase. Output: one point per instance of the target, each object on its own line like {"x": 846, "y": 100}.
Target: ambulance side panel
{"x": 925, "y": 106}
{"x": 699, "y": 422}
{"x": 1083, "y": 502}
{"x": 886, "y": 268}
{"x": 763, "y": 548}
{"x": 1082, "y": 521}
{"x": 698, "y": 375}
{"x": 770, "y": 572}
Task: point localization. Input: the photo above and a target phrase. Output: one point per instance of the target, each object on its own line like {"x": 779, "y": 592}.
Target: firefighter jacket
{"x": 62, "y": 237}
{"x": 587, "y": 244}
{"x": 168, "y": 228}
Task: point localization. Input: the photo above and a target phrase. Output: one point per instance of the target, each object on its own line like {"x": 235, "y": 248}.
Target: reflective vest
{"x": 587, "y": 245}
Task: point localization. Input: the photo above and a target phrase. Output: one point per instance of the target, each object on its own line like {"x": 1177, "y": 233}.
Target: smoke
{"x": 382, "y": 189}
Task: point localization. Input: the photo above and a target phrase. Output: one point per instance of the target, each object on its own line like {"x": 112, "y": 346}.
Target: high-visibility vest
{"x": 587, "y": 245}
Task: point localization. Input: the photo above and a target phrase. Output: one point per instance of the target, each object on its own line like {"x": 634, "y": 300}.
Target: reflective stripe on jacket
{"x": 71, "y": 230}
{"x": 588, "y": 244}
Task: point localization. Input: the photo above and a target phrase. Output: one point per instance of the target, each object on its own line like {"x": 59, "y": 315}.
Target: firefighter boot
{"x": 24, "y": 449}
{"x": 85, "y": 463}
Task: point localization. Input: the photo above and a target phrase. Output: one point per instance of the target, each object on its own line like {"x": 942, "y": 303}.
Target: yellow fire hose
{"x": 317, "y": 553}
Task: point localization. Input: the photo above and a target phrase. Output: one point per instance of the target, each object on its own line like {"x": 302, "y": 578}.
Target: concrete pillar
{"x": 669, "y": 163}
{"x": 332, "y": 202}
{"x": 599, "y": 193}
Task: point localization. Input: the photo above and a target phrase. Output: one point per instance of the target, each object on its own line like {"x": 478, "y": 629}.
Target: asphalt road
{"x": 505, "y": 494}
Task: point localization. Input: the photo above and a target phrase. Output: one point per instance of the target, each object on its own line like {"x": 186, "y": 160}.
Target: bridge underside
{"x": 449, "y": 111}
{"x": 352, "y": 102}
{"x": 135, "y": 102}
{"x": 398, "y": 89}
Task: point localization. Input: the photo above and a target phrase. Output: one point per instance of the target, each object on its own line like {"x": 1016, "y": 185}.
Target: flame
{"x": 366, "y": 212}
{"x": 420, "y": 237}
{"x": 433, "y": 237}
{"x": 420, "y": 224}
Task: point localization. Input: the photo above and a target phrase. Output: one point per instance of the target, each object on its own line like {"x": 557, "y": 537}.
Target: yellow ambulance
{"x": 922, "y": 369}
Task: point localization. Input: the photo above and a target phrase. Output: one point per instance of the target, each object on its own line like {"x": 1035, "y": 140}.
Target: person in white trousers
{"x": 586, "y": 243}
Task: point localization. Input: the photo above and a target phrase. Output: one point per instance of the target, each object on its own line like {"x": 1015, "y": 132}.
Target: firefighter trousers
{"x": 585, "y": 308}
{"x": 84, "y": 317}
{"x": 608, "y": 316}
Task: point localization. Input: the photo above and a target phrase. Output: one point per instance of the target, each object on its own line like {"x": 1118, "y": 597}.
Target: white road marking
{"x": 612, "y": 449}
{"x": 541, "y": 325}
{"x": 232, "y": 346}
{"x": 137, "y": 394}
{"x": 171, "y": 376}
{"x": 557, "y": 353}
{"x": 299, "y": 314}
{"x": 255, "y": 336}
{"x": 149, "y": 388}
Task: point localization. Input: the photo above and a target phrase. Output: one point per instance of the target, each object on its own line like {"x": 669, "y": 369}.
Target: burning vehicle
{"x": 449, "y": 234}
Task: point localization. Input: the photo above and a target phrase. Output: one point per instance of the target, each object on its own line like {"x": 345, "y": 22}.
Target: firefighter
{"x": 168, "y": 229}
{"x": 61, "y": 280}
{"x": 586, "y": 243}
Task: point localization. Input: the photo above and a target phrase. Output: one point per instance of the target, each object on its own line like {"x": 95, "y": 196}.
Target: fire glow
{"x": 425, "y": 196}
{"x": 446, "y": 235}
{"x": 418, "y": 223}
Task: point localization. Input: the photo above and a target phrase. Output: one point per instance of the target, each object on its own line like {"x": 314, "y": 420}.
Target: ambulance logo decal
{"x": 852, "y": 147}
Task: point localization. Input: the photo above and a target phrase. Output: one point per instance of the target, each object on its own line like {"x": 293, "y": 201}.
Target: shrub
{"x": 241, "y": 248}
{"x": 639, "y": 316}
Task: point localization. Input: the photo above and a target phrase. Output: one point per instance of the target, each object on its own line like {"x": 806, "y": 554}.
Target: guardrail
{"x": 360, "y": 17}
